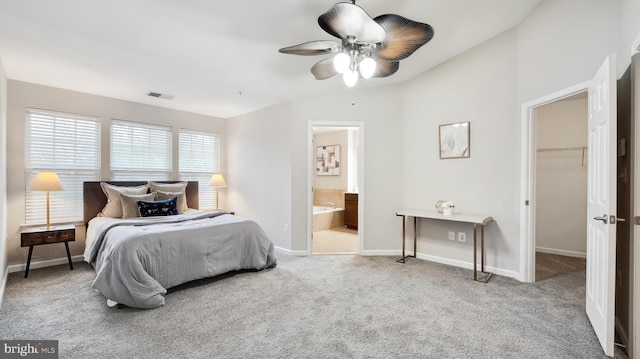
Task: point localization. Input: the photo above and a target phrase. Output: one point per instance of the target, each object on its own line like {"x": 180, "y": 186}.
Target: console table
{"x": 478, "y": 221}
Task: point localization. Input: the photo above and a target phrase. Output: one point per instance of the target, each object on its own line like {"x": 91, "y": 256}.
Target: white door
{"x": 601, "y": 204}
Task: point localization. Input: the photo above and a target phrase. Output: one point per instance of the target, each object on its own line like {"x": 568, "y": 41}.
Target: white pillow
{"x": 168, "y": 187}
{"x": 181, "y": 196}
{"x": 113, "y": 208}
{"x": 130, "y": 203}
{"x": 176, "y": 187}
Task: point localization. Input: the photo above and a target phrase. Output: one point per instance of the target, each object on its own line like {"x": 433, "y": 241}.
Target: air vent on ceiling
{"x": 160, "y": 95}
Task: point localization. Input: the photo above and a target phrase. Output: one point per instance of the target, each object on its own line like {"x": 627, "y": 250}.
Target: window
{"x": 68, "y": 145}
{"x": 198, "y": 161}
{"x": 140, "y": 151}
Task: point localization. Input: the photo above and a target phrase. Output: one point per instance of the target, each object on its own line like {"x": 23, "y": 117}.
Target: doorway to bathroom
{"x": 336, "y": 194}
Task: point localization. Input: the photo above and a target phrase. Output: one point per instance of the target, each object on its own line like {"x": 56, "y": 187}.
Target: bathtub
{"x": 327, "y": 217}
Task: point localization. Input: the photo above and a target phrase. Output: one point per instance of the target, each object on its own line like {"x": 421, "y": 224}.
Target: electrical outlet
{"x": 452, "y": 235}
{"x": 286, "y": 228}
{"x": 462, "y": 236}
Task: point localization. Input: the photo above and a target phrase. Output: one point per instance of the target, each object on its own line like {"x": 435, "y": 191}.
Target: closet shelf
{"x": 563, "y": 149}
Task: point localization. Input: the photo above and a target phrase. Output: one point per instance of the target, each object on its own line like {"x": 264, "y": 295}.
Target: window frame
{"x": 55, "y": 149}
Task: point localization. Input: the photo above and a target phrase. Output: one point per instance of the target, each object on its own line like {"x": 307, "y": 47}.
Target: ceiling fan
{"x": 368, "y": 47}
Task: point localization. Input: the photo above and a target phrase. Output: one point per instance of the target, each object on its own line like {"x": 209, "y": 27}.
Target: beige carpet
{"x": 338, "y": 240}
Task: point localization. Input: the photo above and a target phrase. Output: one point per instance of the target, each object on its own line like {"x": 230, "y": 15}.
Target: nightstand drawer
{"x": 46, "y": 237}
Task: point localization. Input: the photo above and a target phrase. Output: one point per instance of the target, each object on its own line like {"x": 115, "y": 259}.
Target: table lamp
{"x": 217, "y": 181}
{"x": 46, "y": 181}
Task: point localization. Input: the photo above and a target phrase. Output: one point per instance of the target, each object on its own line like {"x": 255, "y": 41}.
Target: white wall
{"x": 560, "y": 44}
{"x": 630, "y": 29}
{"x": 380, "y": 111}
{"x": 3, "y": 180}
{"x": 259, "y": 170}
{"x": 22, "y": 95}
{"x": 563, "y": 42}
{"x": 561, "y": 178}
{"x": 478, "y": 86}
{"x": 329, "y": 139}
{"x": 268, "y": 154}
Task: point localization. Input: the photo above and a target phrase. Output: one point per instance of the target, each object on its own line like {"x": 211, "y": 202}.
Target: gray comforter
{"x": 137, "y": 259}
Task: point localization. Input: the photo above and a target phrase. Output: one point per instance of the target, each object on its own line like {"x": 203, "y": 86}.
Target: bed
{"x": 138, "y": 258}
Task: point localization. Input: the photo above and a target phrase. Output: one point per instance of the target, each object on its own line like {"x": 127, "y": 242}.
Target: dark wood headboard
{"x": 94, "y": 198}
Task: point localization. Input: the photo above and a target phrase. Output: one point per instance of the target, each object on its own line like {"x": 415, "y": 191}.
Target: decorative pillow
{"x": 168, "y": 187}
{"x": 113, "y": 208}
{"x": 166, "y": 207}
{"x": 130, "y": 203}
{"x": 181, "y": 196}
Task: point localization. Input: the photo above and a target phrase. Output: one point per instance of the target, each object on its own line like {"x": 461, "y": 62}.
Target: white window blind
{"x": 68, "y": 145}
{"x": 140, "y": 151}
{"x": 198, "y": 161}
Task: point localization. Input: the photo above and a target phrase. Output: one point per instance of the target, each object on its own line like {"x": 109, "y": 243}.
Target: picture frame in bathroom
{"x": 328, "y": 160}
{"x": 454, "y": 140}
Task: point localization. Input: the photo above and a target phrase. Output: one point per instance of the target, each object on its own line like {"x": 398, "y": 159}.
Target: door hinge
{"x": 636, "y": 220}
{"x": 526, "y": 203}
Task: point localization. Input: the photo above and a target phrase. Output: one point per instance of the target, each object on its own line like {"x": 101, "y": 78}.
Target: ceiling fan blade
{"x": 404, "y": 36}
{"x": 386, "y": 68}
{"x": 319, "y": 47}
{"x": 345, "y": 20}
{"x": 324, "y": 69}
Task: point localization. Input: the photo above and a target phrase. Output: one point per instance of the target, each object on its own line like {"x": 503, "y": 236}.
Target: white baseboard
{"x": 423, "y": 256}
{"x": 381, "y": 253}
{"x": 290, "y": 252}
{"x": 468, "y": 265}
{"x": 447, "y": 261}
{"x": 561, "y": 252}
{"x": 42, "y": 264}
{"x": 3, "y": 285}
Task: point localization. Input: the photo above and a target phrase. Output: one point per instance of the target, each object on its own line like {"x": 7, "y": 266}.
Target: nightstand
{"x": 36, "y": 236}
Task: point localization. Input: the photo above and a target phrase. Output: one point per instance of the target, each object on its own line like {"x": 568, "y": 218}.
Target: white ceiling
{"x": 218, "y": 58}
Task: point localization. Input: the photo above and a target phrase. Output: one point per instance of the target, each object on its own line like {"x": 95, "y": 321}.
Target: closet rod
{"x": 561, "y": 149}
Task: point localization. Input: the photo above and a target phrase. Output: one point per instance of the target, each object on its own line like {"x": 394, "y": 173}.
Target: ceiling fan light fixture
{"x": 367, "y": 67}
{"x": 341, "y": 62}
{"x": 350, "y": 77}
{"x": 368, "y": 47}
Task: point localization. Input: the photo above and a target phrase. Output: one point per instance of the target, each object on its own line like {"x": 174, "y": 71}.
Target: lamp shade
{"x": 46, "y": 181}
{"x": 217, "y": 181}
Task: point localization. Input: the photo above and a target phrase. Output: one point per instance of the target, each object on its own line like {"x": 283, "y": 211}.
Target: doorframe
{"x": 310, "y": 173}
{"x": 528, "y": 177}
{"x": 634, "y": 324}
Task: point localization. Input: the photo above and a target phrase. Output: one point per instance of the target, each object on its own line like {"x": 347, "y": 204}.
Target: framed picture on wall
{"x": 328, "y": 160}
{"x": 454, "y": 140}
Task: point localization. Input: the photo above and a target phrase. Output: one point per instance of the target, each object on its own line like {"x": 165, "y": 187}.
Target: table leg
{"x": 415, "y": 237}
{"x": 404, "y": 231}
{"x": 26, "y": 271}
{"x": 482, "y": 248}
{"x": 475, "y": 254}
{"x": 66, "y": 244}
{"x": 475, "y": 273}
